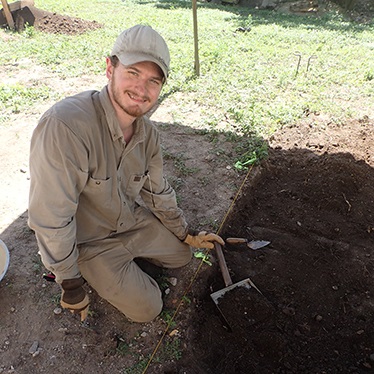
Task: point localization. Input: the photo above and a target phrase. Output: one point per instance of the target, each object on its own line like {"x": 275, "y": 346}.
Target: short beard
{"x": 134, "y": 111}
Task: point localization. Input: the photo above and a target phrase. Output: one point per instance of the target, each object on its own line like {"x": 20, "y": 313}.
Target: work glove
{"x": 203, "y": 240}
{"x": 74, "y": 297}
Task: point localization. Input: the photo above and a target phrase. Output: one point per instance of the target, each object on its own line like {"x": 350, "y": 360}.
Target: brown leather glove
{"x": 203, "y": 240}
{"x": 74, "y": 297}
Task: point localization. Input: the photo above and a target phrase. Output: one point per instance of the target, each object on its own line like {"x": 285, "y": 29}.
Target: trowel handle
{"x": 236, "y": 240}
{"x": 222, "y": 265}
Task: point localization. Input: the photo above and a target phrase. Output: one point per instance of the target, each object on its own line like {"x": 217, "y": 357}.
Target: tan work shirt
{"x": 85, "y": 179}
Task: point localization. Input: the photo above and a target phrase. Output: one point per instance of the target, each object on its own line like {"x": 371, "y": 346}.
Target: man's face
{"x": 134, "y": 89}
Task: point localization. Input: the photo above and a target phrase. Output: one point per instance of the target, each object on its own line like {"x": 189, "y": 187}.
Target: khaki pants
{"x": 108, "y": 266}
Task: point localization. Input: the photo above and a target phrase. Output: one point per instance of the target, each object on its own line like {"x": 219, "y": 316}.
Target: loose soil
{"x": 312, "y": 310}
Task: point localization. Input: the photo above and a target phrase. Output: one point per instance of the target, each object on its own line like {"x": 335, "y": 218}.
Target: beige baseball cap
{"x": 141, "y": 43}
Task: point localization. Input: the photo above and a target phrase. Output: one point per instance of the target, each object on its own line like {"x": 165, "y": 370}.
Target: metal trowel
{"x": 253, "y": 244}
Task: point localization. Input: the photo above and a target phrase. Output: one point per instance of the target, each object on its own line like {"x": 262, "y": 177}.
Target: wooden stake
{"x": 196, "y": 43}
{"x": 8, "y": 14}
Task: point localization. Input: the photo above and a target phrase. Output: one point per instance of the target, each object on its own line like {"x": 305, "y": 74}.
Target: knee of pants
{"x": 146, "y": 313}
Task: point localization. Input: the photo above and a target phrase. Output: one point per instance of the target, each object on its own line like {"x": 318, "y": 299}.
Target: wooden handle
{"x": 236, "y": 240}
{"x": 222, "y": 265}
{"x": 8, "y": 14}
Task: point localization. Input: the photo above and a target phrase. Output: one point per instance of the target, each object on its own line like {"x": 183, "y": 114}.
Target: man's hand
{"x": 203, "y": 240}
{"x": 74, "y": 297}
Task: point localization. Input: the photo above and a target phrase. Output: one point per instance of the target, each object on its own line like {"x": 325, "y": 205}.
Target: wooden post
{"x": 196, "y": 42}
{"x": 8, "y": 14}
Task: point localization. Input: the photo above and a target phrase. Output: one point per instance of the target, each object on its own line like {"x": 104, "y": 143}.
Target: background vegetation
{"x": 251, "y": 82}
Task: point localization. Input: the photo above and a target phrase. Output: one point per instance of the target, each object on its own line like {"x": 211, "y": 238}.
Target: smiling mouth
{"x": 136, "y": 98}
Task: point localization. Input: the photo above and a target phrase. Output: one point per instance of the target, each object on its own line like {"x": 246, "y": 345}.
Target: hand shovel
{"x": 253, "y": 244}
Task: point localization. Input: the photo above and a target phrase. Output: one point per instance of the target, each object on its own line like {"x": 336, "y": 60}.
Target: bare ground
{"x": 313, "y": 199}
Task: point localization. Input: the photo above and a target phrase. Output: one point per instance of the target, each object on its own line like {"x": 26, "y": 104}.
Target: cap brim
{"x": 133, "y": 58}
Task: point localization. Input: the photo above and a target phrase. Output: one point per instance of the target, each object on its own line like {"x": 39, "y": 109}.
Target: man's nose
{"x": 141, "y": 86}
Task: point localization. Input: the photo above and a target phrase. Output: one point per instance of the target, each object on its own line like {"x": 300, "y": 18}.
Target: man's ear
{"x": 109, "y": 68}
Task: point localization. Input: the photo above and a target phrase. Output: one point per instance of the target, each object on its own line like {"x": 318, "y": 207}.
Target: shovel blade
{"x": 220, "y": 293}
{"x": 246, "y": 283}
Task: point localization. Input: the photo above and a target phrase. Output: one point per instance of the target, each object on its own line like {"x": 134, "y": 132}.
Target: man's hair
{"x": 114, "y": 61}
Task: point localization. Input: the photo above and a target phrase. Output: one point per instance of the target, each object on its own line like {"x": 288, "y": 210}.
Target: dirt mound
{"x": 52, "y": 22}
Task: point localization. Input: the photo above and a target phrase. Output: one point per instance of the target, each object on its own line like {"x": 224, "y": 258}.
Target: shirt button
{"x": 121, "y": 224}
{"x": 98, "y": 182}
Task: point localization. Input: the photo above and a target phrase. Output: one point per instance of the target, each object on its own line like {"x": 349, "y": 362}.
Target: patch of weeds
{"x": 123, "y": 347}
{"x": 204, "y": 180}
{"x": 56, "y": 299}
{"x": 210, "y": 222}
{"x": 137, "y": 368}
{"x": 255, "y": 152}
{"x": 369, "y": 76}
{"x": 167, "y": 316}
{"x": 180, "y": 165}
{"x": 17, "y": 97}
{"x": 162, "y": 281}
{"x": 175, "y": 182}
{"x": 186, "y": 300}
{"x": 37, "y": 264}
{"x": 171, "y": 351}
{"x": 28, "y": 32}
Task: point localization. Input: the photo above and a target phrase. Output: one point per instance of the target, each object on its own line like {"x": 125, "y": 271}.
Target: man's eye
{"x": 155, "y": 82}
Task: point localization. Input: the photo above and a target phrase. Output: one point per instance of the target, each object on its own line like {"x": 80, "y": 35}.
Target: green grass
{"x": 247, "y": 81}
{"x": 16, "y": 97}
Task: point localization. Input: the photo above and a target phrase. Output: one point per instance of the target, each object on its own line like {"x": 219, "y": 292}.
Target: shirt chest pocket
{"x": 134, "y": 184}
{"x": 99, "y": 192}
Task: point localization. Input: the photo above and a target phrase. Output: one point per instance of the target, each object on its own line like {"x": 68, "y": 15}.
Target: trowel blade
{"x": 257, "y": 244}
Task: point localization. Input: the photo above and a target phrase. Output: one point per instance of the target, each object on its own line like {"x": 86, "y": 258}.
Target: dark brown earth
{"x": 314, "y": 200}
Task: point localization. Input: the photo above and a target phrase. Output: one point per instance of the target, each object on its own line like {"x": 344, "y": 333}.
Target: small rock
{"x": 173, "y": 281}
{"x": 318, "y": 318}
{"x": 143, "y": 334}
{"x": 57, "y": 311}
{"x": 62, "y": 329}
{"x": 288, "y": 311}
{"x": 167, "y": 291}
{"x": 36, "y": 353}
{"x": 335, "y": 288}
{"x": 12, "y": 309}
{"x": 34, "y": 347}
